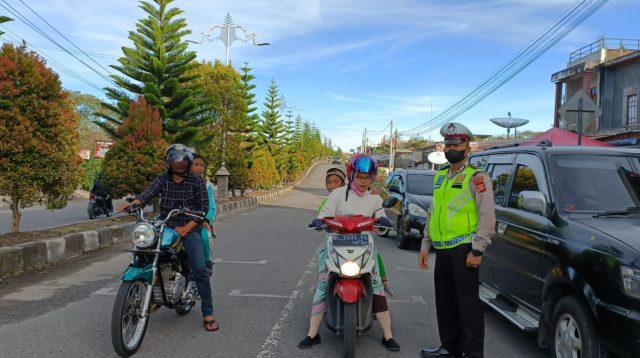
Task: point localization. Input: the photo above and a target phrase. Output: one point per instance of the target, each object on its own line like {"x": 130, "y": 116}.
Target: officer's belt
{"x": 451, "y": 242}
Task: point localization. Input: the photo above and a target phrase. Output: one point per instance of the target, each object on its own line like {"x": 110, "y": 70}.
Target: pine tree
{"x": 272, "y": 130}
{"x": 250, "y": 119}
{"x": 39, "y": 161}
{"x": 157, "y": 68}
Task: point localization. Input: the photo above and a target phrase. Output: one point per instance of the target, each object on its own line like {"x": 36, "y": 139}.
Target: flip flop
{"x": 208, "y": 323}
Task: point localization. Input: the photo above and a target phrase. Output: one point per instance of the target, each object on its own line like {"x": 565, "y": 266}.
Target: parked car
{"x": 414, "y": 190}
{"x": 565, "y": 261}
{"x": 336, "y": 160}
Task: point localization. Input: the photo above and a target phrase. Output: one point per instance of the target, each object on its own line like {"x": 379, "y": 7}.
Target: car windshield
{"x": 420, "y": 184}
{"x": 596, "y": 183}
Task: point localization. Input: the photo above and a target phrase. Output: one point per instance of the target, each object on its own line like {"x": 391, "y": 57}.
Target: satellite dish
{"x": 437, "y": 158}
{"x": 508, "y": 122}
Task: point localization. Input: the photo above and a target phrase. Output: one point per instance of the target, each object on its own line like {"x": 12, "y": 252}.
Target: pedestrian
{"x": 460, "y": 225}
{"x": 199, "y": 166}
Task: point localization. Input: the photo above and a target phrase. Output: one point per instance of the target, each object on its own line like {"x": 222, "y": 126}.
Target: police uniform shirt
{"x": 482, "y": 192}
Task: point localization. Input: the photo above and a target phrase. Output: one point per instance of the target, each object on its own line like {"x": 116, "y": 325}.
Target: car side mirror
{"x": 395, "y": 188}
{"x": 533, "y": 201}
{"x": 390, "y": 202}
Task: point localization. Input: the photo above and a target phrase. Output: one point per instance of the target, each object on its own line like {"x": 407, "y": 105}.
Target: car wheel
{"x": 573, "y": 333}
{"x": 402, "y": 236}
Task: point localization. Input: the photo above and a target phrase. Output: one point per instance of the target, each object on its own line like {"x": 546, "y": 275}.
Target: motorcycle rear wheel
{"x": 127, "y": 325}
{"x": 349, "y": 330}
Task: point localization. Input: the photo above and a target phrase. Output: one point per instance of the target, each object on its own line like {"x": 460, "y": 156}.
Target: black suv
{"x": 414, "y": 190}
{"x": 565, "y": 261}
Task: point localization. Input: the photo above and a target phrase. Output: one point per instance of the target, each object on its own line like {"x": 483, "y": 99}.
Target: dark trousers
{"x": 192, "y": 244}
{"x": 459, "y": 309}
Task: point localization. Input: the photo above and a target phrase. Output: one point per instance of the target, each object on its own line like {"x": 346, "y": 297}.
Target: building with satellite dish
{"x": 603, "y": 79}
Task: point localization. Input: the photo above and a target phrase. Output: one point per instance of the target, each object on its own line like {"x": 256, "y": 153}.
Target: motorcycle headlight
{"x": 350, "y": 269}
{"x": 143, "y": 235}
{"x": 630, "y": 280}
{"x": 415, "y": 210}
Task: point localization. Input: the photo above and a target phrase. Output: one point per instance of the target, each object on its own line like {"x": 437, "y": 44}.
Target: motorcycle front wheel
{"x": 127, "y": 324}
{"x": 349, "y": 330}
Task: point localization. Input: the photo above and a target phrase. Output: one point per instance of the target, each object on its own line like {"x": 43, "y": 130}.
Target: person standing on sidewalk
{"x": 460, "y": 225}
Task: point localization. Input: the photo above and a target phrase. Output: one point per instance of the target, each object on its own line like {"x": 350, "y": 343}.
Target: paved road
{"x": 262, "y": 293}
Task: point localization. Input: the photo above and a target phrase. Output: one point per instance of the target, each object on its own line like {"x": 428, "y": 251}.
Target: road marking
{"x": 237, "y": 293}
{"x": 271, "y": 342}
{"x": 260, "y": 262}
{"x": 106, "y": 291}
{"x": 414, "y": 300}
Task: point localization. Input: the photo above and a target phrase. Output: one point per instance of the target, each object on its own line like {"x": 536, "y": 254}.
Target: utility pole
{"x": 391, "y": 155}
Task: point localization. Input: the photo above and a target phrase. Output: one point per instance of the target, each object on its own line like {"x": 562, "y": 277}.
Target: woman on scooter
{"x": 353, "y": 199}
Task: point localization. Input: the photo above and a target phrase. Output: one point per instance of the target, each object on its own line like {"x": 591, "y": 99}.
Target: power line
{"x": 380, "y": 131}
{"x": 549, "y": 37}
{"x": 64, "y": 37}
{"x": 60, "y": 67}
{"x": 22, "y": 18}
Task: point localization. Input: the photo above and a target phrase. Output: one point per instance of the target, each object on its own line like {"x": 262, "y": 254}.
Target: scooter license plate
{"x": 350, "y": 240}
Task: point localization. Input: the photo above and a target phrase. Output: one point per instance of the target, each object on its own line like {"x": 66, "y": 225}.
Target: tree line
{"x": 160, "y": 95}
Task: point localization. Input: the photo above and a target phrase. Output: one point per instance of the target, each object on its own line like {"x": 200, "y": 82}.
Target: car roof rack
{"x": 545, "y": 143}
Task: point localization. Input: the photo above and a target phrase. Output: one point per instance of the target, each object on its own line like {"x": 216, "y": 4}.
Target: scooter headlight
{"x": 143, "y": 235}
{"x": 350, "y": 269}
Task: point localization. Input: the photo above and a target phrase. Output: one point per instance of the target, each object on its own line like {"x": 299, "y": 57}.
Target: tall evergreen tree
{"x": 272, "y": 129}
{"x": 157, "y": 67}
{"x": 4, "y": 19}
{"x": 251, "y": 118}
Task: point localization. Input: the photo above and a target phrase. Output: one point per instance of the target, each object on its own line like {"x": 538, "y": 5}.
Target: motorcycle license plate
{"x": 350, "y": 240}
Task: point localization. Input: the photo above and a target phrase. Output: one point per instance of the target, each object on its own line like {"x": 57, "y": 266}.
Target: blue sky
{"x": 351, "y": 64}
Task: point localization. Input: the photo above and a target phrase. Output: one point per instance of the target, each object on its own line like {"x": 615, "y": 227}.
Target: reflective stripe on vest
{"x": 454, "y": 216}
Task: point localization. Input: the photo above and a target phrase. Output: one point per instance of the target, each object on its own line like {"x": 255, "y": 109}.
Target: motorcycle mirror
{"x": 389, "y": 202}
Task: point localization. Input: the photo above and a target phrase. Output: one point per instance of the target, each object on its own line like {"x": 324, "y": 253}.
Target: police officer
{"x": 460, "y": 225}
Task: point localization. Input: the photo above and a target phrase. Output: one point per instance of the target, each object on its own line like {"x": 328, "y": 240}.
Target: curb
{"x": 37, "y": 254}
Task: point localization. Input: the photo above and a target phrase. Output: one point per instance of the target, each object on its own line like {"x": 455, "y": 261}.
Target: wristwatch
{"x": 477, "y": 253}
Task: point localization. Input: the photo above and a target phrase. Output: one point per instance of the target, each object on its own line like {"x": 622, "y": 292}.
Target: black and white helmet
{"x": 178, "y": 152}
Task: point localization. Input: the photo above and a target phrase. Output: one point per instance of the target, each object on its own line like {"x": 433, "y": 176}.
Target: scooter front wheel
{"x": 349, "y": 330}
{"x": 128, "y": 325}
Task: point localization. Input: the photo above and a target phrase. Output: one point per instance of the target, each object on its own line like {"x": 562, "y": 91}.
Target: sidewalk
{"x": 37, "y": 253}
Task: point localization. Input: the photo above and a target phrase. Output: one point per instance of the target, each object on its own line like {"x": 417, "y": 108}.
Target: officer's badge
{"x": 478, "y": 181}
{"x": 457, "y": 182}
{"x": 451, "y": 129}
{"x": 438, "y": 182}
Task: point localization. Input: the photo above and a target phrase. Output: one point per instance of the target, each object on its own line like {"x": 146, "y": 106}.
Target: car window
{"x": 388, "y": 181}
{"x": 596, "y": 182}
{"x": 395, "y": 180}
{"x": 523, "y": 180}
{"x": 500, "y": 178}
{"x": 420, "y": 184}
{"x": 479, "y": 161}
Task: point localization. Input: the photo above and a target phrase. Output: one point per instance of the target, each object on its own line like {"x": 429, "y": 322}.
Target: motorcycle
{"x": 158, "y": 276}
{"x": 350, "y": 264}
{"x": 97, "y": 206}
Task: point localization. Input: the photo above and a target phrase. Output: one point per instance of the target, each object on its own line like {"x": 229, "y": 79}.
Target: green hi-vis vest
{"x": 454, "y": 216}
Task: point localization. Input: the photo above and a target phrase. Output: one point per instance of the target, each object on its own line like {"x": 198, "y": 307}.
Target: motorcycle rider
{"x": 180, "y": 188}
{"x": 334, "y": 179}
{"x": 98, "y": 190}
{"x": 361, "y": 172}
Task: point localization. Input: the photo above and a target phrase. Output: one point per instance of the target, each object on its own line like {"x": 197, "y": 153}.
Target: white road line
{"x": 237, "y": 293}
{"x": 105, "y": 291}
{"x": 271, "y": 342}
{"x": 414, "y": 299}
{"x": 260, "y": 262}
{"x": 399, "y": 268}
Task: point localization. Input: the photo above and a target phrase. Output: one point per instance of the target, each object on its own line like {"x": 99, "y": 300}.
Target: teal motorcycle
{"x": 158, "y": 276}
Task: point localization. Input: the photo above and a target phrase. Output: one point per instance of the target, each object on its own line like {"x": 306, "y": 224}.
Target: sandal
{"x": 209, "y": 325}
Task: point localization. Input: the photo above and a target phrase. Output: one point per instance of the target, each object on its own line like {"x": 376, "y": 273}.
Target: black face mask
{"x": 454, "y": 156}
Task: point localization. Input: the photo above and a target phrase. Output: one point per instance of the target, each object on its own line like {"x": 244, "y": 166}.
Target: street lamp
{"x": 228, "y": 35}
